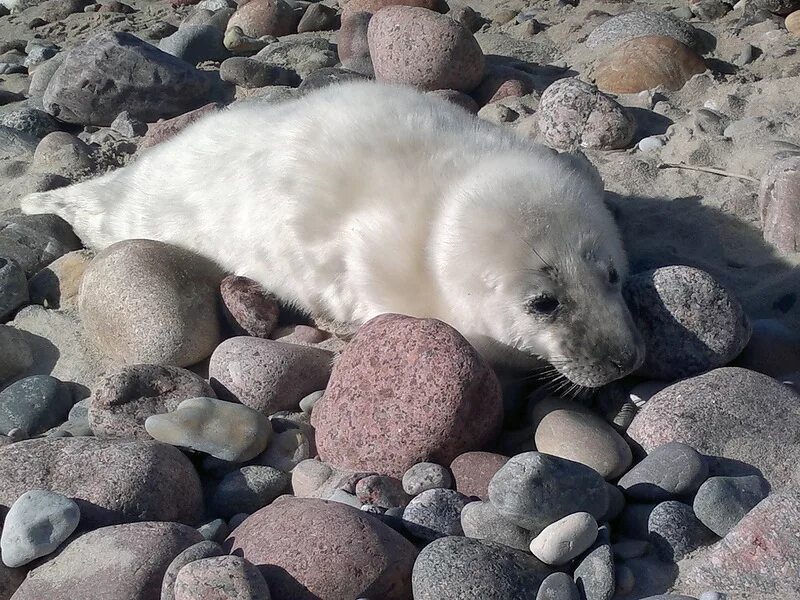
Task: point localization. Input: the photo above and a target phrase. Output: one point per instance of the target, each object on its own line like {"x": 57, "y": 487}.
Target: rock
{"x": 458, "y": 98}
{"x": 690, "y": 322}
{"x": 248, "y": 489}
{"x": 329, "y": 76}
{"x": 162, "y": 131}
{"x": 16, "y": 353}
{"x": 215, "y": 531}
{"x": 122, "y": 562}
{"x": 13, "y": 287}
{"x": 195, "y": 44}
{"x": 560, "y": 542}
{"x": 558, "y": 586}
{"x": 318, "y": 17}
{"x": 434, "y": 514}
{"x": 780, "y": 7}
{"x": 709, "y": 10}
{"x": 723, "y": 415}
{"x": 325, "y": 551}
{"x": 124, "y": 399}
{"x": 426, "y": 476}
{"x": 353, "y": 44}
{"x": 34, "y": 405}
{"x": 112, "y": 481}
{"x": 237, "y": 42}
{"x": 37, "y": 523}
{"x": 115, "y": 71}
{"x": 595, "y": 576}
{"x": 195, "y": 552}
{"x": 644, "y": 63}
{"x": 573, "y": 113}
{"x": 62, "y": 153}
{"x": 309, "y": 476}
{"x": 220, "y": 578}
{"x": 502, "y": 82}
{"x": 480, "y": 520}
{"x": 34, "y": 241}
{"x": 792, "y": 23}
{"x": 58, "y": 284}
{"x": 721, "y": 502}
{"x": 286, "y": 450}
{"x": 10, "y": 579}
{"x": 675, "y": 531}
{"x": 258, "y": 18}
{"x": 144, "y": 301}
{"x": 466, "y": 569}
{"x": 250, "y": 73}
{"x": 779, "y": 205}
{"x": 440, "y": 397}
{"x": 566, "y": 429}
{"x": 302, "y": 54}
{"x": 616, "y": 503}
{"x": 31, "y": 121}
{"x": 625, "y": 27}
{"x": 370, "y": 7}
{"x": 534, "y": 490}
{"x": 265, "y": 375}
{"x": 669, "y": 471}
{"x": 773, "y": 349}
{"x": 127, "y": 126}
{"x": 418, "y": 47}
{"x": 472, "y": 472}
{"x": 381, "y": 491}
{"x": 225, "y": 430}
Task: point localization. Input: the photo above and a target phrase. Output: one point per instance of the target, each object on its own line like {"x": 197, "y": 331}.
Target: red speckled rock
{"x": 112, "y": 481}
{"x": 780, "y": 205}
{"x": 220, "y": 578}
{"x": 266, "y": 375}
{"x": 502, "y": 82}
{"x": 265, "y": 17}
{"x": 372, "y": 6}
{"x": 418, "y": 47}
{"x": 250, "y": 309}
{"x": 321, "y": 550}
{"x": 472, "y": 472}
{"x": 404, "y": 391}
{"x": 123, "y": 562}
{"x": 163, "y": 130}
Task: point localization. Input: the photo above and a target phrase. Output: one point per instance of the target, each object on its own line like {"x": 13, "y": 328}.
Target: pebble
{"x": 353, "y": 44}
{"x": 434, "y": 514}
{"x": 121, "y": 561}
{"x": 286, "y": 450}
{"x": 625, "y": 27}
{"x": 675, "y": 531}
{"x": 418, "y": 47}
{"x": 198, "y": 551}
{"x": 308, "y": 402}
{"x": 426, "y": 476}
{"x": 266, "y": 375}
{"x": 792, "y": 23}
{"x": 16, "y": 353}
{"x": 215, "y": 5}
{"x": 30, "y": 121}
{"x": 345, "y": 498}
{"x": 644, "y": 63}
{"x": 144, "y": 301}
{"x": 595, "y": 576}
{"x": 482, "y": 521}
{"x": 567, "y": 429}
{"x": 534, "y": 490}
{"x": 777, "y": 201}
{"x": 712, "y": 596}
{"x": 214, "y": 531}
{"x": 127, "y": 126}
{"x": 502, "y": 82}
{"x": 34, "y": 404}
{"x": 258, "y": 18}
{"x": 34, "y": 241}
{"x": 148, "y": 83}
{"x": 247, "y": 489}
{"x": 302, "y": 54}
{"x": 247, "y": 295}
{"x": 690, "y": 322}
{"x": 62, "y": 153}
{"x": 13, "y": 288}
{"x": 382, "y": 491}
{"x": 465, "y": 569}
{"x": 669, "y": 471}
{"x": 709, "y": 10}
{"x": 721, "y": 502}
{"x": 573, "y": 113}
{"x": 558, "y": 586}
{"x": 723, "y": 415}
{"x": 318, "y": 17}
{"x": 195, "y": 44}
{"x": 123, "y": 399}
{"x": 225, "y": 430}
{"x": 421, "y": 376}
{"x": 650, "y": 143}
{"x": 36, "y": 524}
{"x": 333, "y": 551}
{"x": 560, "y": 542}
{"x": 220, "y": 578}
{"x": 329, "y": 76}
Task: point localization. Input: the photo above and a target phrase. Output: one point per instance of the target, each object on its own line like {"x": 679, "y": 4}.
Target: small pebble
{"x": 128, "y": 126}
{"x": 651, "y": 143}
{"x": 669, "y": 471}
{"x": 195, "y": 552}
{"x": 33, "y": 405}
{"x": 721, "y": 502}
{"x": 595, "y": 576}
{"x": 345, "y": 498}
{"x": 247, "y": 489}
{"x": 675, "y": 531}
{"x": 426, "y": 476}
{"x": 480, "y": 520}
{"x": 558, "y": 586}
{"x": 308, "y": 402}
{"x": 434, "y": 514}
{"x": 560, "y": 542}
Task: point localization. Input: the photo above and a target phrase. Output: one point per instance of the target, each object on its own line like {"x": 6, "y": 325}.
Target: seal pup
{"x": 363, "y": 198}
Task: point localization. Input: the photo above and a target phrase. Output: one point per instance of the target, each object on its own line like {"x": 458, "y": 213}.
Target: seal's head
{"x": 532, "y": 265}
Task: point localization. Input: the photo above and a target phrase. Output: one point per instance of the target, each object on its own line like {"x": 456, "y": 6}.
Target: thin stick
{"x": 708, "y": 170}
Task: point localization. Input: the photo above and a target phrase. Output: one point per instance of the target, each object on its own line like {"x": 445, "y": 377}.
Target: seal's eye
{"x": 544, "y": 304}
{"x": 613, "y": 276}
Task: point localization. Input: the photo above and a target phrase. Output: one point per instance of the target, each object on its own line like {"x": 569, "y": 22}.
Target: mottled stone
{"x": 250, "y": 309}
{"x": 482, "y": 521}
{"x": 34, "y": 241}
{"x": 721, "y": 502}
{"x": 595, "y": 576}
{"x": 248, "y": 489}
{"x": 426, "y": 476}
{"x": 329, "y": 76}
{"x": 434, "y": 514}
{"x": 62, "y": 153}
{"x": 675, "y": 531}
{"x": 58, "y": 284}
{"x": 560, "y": 542}
{"x": 220, "y": 578}
{"x": 194, "y": 552}
{"x": 250, "y": 73}
{"x": 265, "y": 17}
{"x": 622, "y": 28}
{"x": 302, "y": 54}
{"x": 353, "y": 7}
{"x": 31, "y": 121}
{"x": 33, "y": 405}
{"x": 382, "y": 491}
{"x": 558, "y": 586}
{"x": 780, "y": 7}
{"x": 318, "y": 17}
{"x": 779, "y": 202}
{"x": 669, "y": 471}
{"x": 215, "y": 531}
{"x": 13, "y": 287}
{"x": 502, "y": 82}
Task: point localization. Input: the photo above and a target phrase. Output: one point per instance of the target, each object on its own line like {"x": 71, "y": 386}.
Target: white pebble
{"x": 565, "y": 539}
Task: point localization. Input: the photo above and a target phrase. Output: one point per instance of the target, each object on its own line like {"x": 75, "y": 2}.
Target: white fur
{"x": 364, "y": 198}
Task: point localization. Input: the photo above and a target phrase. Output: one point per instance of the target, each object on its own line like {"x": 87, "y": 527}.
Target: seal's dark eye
{"x": 544, "y": 304}
{"x": 613, "y": 276}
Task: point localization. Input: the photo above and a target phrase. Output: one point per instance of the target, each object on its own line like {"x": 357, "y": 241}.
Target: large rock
{"x": 144, "y": 301}
{"x": 302, "y": 53}
{"x": 622, "y": 28}
{"x": 670, "y": 471}
{"x": 34, "y": 405}
{"x": 123, "y": 562}
{"x": 320, "y": 550}
{"x": 404, "y": 391}
{"x": 740, "y": 418}
{"x": 112, "y": 482}
{"x": 115, "y": 71}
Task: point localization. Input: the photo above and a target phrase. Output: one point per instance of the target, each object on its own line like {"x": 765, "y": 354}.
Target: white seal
{"x": 361, "y": 198}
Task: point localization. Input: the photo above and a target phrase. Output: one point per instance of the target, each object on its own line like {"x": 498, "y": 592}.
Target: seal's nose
{"x": 630, "y": 357}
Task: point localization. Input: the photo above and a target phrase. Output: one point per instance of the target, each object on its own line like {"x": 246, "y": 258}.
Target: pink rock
{"x": 250, "y": 309}
{"x": 352, "y": 45}
{"x": 502, "y": 82}
{"x": 220, "y": 578}
{"x": 780, "y": 205}
{"x": 319, "y": 550}
{"x": 472, "y": 472}
{"x": 163, "y": 130}
{"x": 266, "y": 375}
{"x": 265, "y": 17}
{"x": 404, "y": 391}
{"x": 419, "y": 47}
{"x": 372, "y": 6}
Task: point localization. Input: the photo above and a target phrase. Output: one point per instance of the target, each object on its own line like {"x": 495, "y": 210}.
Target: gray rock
{"x": 318, "y": 17}
{"x": 36, "y": 524}
{"x": 195, "y": 44}
{"x": 13, "y": 287}
{"x": 434, "y": 514}
{"x": 382, "y": 491}
{"x": 777, "y": 202}
{"x": 195, "y": 552}
{"x": 560, "y": 542}
{"x": 534, "y": 490}
{"x": 426, "y": 476}
{"x": 34, "y": 241}
{"x": 286, "y": 450}
{"x": 667, "y": 472}
{"x": 622, "y": 28}
{"x": 58, "y": 284}
{"x": 301, "y": 53}
{"x": 482, "y": 521}
{"x": 64, "y": 154}
{"x": 690, "y": 322}
{"x": 214, "y": 531}
{"x": 115, "y": 71}
{"x": 214, "y": 5}
{"x": 127, "y": 126}
{"x": 461, "y": 568}
{"x": 308, "y": 402}
{"x": 616, "y": 502}
{"x": 40, "y": 78}
{"x": 30, "y": 121}
{"x": 34, "y": 405}
{"x": 347, "y": 498}
{"x": 16, "y": 353}
{"x": 675, "y": 531}
{"x": 251, "y": 73}
{"x": 558, "y": 586}
{"x": 595, "y": 576}
{"x": 247, "y": 489}
{"x": 721, "y": 502}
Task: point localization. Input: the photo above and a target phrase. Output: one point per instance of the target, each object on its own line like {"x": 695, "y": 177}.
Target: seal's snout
{"x": 630, "y": 358}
